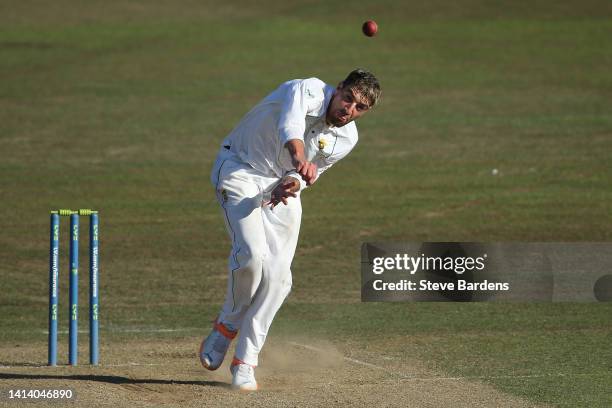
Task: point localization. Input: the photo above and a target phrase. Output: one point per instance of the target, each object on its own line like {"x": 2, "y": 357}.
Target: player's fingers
{"x": 312, "y": 171}
{"x": 305, "y": 169}
{"x": 300, "y": 167}
{"x": 287, "y": 188}
{"x": 309, "y": 180}
{"x": 284, "y": 200}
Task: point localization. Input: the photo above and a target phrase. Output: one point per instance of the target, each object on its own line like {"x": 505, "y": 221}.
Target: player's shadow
{"x": 111, "y": 379}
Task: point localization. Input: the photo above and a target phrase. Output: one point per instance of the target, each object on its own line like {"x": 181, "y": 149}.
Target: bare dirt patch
{"x": 292, "y": 372}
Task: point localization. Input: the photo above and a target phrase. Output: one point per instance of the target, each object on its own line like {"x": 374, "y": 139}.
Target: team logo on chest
{"x": 322, "y": 144}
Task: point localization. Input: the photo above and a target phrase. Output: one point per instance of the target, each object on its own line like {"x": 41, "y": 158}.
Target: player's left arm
{"x": 307, "y": 170}
{"x": 302, "y": 97}
{"x": 293, "y": 182}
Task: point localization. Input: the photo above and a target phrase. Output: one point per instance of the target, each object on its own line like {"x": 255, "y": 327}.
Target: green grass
{"x": 121, "y": 108}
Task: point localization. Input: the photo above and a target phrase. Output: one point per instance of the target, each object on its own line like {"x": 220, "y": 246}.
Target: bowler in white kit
{"x": 278, "y": 149}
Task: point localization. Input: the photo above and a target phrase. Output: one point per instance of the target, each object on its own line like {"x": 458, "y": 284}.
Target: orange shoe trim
{"x": 236, "y": 361}
{"x": 227, "y": 333}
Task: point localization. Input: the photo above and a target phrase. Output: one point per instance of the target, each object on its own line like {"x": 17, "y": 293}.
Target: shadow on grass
{"x": 111, "y": 379}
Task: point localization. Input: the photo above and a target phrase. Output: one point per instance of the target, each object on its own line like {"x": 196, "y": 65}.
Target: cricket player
{"x": 278, "y": 149}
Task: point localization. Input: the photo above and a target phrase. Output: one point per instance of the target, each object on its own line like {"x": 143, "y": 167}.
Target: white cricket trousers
{"x": 263, "y": 246}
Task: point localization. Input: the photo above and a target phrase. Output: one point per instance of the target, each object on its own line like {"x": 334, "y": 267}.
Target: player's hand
{"x": 309, "y": 173}
{"x": 299, "y": 162}
{"x": 285, "y": 189}
{"x": 306, "y": 169}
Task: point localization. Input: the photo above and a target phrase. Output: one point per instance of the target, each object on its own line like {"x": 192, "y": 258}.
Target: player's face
{"x": 346, "y": 106}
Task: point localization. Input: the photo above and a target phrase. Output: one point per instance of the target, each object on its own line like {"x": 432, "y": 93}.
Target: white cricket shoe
{"x": 214, "y": 347}
{"x": 243, "y": 376}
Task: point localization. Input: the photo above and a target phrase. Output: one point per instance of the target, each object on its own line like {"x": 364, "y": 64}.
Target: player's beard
{"x": 340, "y": 118}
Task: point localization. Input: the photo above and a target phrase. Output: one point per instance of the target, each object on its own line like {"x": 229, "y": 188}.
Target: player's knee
{"x": 251, "y": 257}
{"x": 286, "y": 289}
{"x": 281, "y": 284}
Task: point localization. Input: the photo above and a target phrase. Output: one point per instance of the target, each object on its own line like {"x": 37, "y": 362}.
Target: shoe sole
{"x": 244, "y": 388}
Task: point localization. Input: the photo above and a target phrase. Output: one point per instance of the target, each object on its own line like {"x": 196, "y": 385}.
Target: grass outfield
{"x": 122, "y": 107}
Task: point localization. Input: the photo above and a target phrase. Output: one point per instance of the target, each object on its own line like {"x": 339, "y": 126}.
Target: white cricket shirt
{"x": 295, "y": 110}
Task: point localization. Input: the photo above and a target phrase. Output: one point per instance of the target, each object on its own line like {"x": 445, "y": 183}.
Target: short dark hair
{"x": 365, "y": 83}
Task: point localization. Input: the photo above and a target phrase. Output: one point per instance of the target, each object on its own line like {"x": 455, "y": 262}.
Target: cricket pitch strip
{"x": 292, "y": 372}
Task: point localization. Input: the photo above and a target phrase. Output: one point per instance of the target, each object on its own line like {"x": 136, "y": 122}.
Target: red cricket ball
{"x": 370, "y": 28}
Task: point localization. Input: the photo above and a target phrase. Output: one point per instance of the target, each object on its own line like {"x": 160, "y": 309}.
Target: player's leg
{"x": 282, "y": 225}
{"x": 240, "y": 199}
